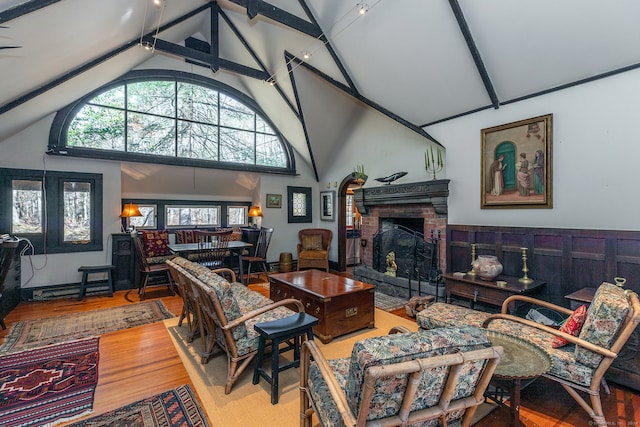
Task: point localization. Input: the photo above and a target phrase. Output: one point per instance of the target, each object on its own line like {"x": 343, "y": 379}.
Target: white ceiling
{"x": 417, "y": 61}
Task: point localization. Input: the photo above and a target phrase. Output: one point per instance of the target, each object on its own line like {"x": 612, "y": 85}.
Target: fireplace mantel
{"x": 433, "y": 193}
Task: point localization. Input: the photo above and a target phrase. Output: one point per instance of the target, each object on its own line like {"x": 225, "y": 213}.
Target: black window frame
{"x": 161, "y": 204}
{"x": 59, "y": 128}
{"x": 51, "y": 239}
{"x": 308, "y": 204}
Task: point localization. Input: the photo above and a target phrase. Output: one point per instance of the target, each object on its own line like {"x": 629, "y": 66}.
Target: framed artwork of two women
{"x": 516, "y": 164}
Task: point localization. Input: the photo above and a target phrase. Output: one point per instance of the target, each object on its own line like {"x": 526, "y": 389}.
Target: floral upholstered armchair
{"x": 410, "y": 378}
{"x": 226, "y": 312}
{"x": 580, "y": 357}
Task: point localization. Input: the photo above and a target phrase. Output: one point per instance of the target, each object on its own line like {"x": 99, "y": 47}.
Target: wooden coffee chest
{"x": 341, "y": 304}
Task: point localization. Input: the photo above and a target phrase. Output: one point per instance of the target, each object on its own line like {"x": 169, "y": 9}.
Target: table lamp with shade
{"x": 255, "y": 212}
{"x": 130, "y": 210}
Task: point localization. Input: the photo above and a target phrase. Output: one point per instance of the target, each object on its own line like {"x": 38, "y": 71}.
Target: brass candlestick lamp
{"x": 473, "y": 258}
{"x": 525, "y": 279}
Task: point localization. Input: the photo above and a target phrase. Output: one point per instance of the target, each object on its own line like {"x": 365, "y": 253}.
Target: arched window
{"x": 171, "y": 117}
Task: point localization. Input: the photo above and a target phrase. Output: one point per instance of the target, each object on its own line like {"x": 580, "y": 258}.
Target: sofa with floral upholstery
{"x": 406, "y": 378}
{"x": 226, "y": 312}
{"x": 581, "y": 350}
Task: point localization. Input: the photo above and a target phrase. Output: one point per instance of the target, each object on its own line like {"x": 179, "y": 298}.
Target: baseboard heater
{"x": 61, "y": 291}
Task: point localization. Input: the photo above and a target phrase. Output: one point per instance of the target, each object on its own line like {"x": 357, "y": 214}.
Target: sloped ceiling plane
{"x": 312, "y": 65}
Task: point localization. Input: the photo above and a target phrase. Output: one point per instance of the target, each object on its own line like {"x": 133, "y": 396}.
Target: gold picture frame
{"x": 516, "y": 164}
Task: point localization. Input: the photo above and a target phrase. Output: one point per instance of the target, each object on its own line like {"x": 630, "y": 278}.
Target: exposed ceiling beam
{"x": 256, "y": 58}
{"x": 259, "y": 7}
{"x": 215, "y": 38}
{"x": 205, "y": 57}
{"x": 24, "y": 9}
{"x": 290, "y": 59}
{"x": 329, "y": 48}
{"x": 471, "y": 44}
{"x": 95, "y": 62}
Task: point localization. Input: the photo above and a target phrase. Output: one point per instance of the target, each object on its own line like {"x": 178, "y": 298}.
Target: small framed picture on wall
{"x": 327, "y": 205}
{"x": 274, "y": 200}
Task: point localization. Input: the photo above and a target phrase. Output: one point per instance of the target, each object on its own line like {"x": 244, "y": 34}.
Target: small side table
{"x": 278, "y": 331}
{"x": 581, "y": 296}
{"x": 521, "y": 360}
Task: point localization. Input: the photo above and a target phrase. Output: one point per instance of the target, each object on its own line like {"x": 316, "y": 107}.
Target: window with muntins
{"x": 57, "y": 211}
{"x": 171, "y": 118}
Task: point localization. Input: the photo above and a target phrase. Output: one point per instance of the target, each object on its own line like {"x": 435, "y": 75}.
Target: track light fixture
{"x": 146, "y": 44}
{"x": 361, "y": 9}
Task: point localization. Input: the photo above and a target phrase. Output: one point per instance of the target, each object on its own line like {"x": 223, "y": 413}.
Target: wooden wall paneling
{"x": 567, "y": 259}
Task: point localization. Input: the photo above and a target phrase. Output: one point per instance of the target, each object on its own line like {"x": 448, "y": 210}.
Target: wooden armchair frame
{"x": 217, "y": 332}
{"x": 415, "y": 369}
{"x": 608, "y": 354}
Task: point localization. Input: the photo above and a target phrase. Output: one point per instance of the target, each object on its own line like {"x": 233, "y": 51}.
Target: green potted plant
{"x": 359, "y": 175}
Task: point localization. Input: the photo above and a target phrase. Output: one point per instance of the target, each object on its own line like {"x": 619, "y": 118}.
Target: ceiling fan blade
{"x": 10, "y": 47}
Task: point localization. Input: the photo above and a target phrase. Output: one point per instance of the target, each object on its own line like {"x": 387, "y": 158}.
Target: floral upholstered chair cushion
{"x": 391, "y": 349}
{"x": 605, "y": 316}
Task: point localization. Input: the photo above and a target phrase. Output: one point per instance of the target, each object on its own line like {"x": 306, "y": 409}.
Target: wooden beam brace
{"x": 471, "y": 44}
{"x": 260, "y": 7}
{"x": 24, "y": 9}
{"x": 215, "y": 38}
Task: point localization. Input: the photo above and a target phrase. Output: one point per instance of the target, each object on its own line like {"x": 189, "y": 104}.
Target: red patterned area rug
{"x": 173, "y": 408}
{"x": 50, "y": 330}
{"x": 49, "y": 385}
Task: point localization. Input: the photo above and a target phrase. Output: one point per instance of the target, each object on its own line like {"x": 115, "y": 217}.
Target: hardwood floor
{"x": 138, "y": 362}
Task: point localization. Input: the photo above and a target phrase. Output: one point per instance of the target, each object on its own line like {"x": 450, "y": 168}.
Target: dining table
{"x": 235, "y": 246}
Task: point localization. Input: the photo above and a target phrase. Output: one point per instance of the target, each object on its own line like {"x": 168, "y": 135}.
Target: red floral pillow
{"x": 156, "y": 242}
{"x": 572, "y": 326}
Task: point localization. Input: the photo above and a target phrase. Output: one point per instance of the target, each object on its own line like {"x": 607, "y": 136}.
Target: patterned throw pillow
{"x": 572, "y": 326}
{"x": 156, "y": 242}
{"x": 312, "y": 242}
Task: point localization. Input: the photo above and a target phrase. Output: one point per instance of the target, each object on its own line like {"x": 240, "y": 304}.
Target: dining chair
{"x": 260, "y": 254}
{"x": 212, "y": 248}
{"x": 148, "y": 270}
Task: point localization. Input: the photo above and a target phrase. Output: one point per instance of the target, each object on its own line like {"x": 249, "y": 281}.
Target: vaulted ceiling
{"x": 419, "y": 62}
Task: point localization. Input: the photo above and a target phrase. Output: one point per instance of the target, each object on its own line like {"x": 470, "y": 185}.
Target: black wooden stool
{"x": 86, "y": 270}
{"x": 281, "y": 330}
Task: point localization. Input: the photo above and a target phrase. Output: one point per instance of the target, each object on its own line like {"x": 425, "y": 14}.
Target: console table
{"x": 475, "y": 289}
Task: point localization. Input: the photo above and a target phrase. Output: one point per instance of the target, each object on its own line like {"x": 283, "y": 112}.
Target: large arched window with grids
{"x": 175, "y": 118}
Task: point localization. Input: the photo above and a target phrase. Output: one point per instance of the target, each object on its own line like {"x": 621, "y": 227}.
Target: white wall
{"x": 595, "y": 143}
{"x": 25, "y": 150}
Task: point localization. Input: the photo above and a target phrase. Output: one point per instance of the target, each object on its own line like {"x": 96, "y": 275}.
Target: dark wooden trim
{"x": 475, "y": 54}
{"x": 434, "y": 192}
{"x": 259, "y": 7}
{"x": 329, "y": 47}
{"x": 292, "y": 58}
{"x": 567, "y": 259}
{"x": 256, "y": 58}
{"x": 24, "y": 9}
{"x": 89, "y": 65}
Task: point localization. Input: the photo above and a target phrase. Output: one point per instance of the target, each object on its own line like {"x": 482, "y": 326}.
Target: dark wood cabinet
{"x": 9, "y": 276}
{"x": 124, "y": 258}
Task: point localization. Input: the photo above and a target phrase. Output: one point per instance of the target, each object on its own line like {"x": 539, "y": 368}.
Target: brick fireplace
{"x": 420, "y": 200}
